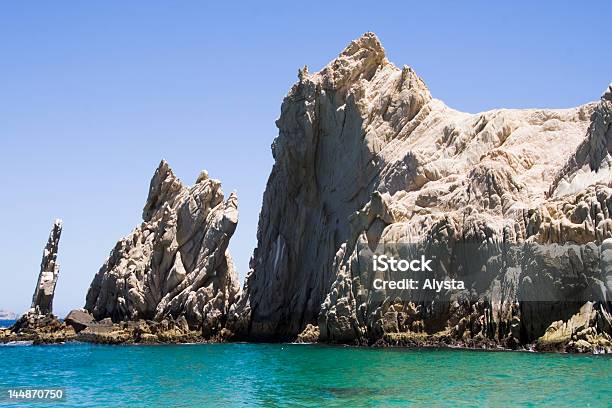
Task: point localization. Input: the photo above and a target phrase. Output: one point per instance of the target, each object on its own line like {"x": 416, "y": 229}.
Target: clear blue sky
{"x": 94, "y": 94}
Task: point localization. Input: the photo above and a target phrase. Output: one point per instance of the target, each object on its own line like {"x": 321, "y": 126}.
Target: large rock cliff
{"x": 366, "y": 157}
{"x": 175, "y": 266}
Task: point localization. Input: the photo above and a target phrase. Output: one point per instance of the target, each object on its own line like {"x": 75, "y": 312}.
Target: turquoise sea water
{"x": 303, "y": 375}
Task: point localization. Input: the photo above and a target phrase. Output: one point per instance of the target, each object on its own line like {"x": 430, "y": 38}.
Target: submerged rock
{"x": 367, "y": 158}
{"x": 175, "y": 265}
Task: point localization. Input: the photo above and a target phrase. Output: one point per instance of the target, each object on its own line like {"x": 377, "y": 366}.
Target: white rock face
{"x": 176, "y": 263}
{"x": 366, "y": 156}
{"x": 42, "y": 300}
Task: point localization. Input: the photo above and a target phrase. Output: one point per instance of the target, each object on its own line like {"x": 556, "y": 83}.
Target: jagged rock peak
{"x": 176, "y": 263}
{"x": 366, "y": 46}
{"x": 361, "y": 59}
{"x": 607, "y": 95}
{"x": 164, "y": 187}
{"x": 42, "y": 300}
{"x": 365, "y": 157}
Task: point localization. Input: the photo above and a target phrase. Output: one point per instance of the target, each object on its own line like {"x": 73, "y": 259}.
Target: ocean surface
{"x": 6, "y": 323}
{"x": 302, "y": 375}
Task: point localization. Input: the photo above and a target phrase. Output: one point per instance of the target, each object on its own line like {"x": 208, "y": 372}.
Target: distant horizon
{"x": 96, "y": 95}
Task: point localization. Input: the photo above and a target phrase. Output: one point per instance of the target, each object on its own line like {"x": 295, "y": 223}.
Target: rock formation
{"x": 79, "y": 319}
{"x": 145, "y": 331}
{"x": 175, "y": 265}
{"x": 367, "y": 158}
{"x": 39, "y": 324}
{"x": 586, "y": 331}
{"x": 42, "y": 300}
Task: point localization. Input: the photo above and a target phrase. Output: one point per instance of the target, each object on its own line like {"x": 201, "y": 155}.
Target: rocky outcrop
{"x": 39, "y": 325}
{"x": 515, "y": 203}
{"x": 309, "y": 335}
{"x": 79, "y": 319}
{"x": 147, "y": 332}
{"x": 42, "y": 300}
{"x": 586, "y": 331}
{"x": 175, "y": 265}
{"x": 105, "y": 331}
{"x": 38, "y": 329}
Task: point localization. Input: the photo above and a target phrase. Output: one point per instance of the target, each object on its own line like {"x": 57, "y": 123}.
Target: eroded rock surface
{"x": 79, "y": 319}
{"x": 42, "y": 300}
{"x": 586, "y": 331}
{"x": 367, "y": 157}
{"x": 39, "y": 329}
{"x": 175, "y": 265}
{"x": 38, "y": 324}
{"x": 146, "y": 331}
